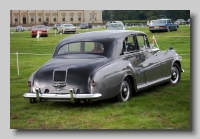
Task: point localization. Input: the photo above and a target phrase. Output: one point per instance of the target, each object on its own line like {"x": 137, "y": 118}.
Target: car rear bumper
{"x": 158, "y": 29}
{"x": 56, "y": 97}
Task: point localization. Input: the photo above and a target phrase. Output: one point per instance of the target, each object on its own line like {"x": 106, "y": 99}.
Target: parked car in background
{"x": 64, "y": 28}
{"x": 19, "y": 28}
{"x": 116, "y": 26}
{"x": 56, "y": 26}
{"x": 180, "y": 21}
{"x": 100, "y": 65}
{"x": 162, "y": 25}
{"x": 42, "y": 28}
{"x": 113, "y": 22}
{"x": 90, "y": 26}
{"x": 84, "y": 26}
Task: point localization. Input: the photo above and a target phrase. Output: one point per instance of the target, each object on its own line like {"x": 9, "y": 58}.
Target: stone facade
{"x": 36, "y": 17}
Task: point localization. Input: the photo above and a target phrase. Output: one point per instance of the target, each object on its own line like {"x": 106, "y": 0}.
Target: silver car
{"x": 65, "y": 28}
{"x": 101, "y": 65}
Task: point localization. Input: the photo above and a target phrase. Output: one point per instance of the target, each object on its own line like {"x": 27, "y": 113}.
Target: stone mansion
{"x": 36, "y": 17}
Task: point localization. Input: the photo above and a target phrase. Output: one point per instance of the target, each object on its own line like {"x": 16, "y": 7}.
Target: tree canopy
{"x": 145, "y": 14}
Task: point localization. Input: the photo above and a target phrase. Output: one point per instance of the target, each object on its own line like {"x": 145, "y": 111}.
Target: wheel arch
{"x": 133, "y": 82}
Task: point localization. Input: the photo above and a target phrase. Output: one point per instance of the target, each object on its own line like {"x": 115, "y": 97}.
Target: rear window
{"x": 81, "y": 47}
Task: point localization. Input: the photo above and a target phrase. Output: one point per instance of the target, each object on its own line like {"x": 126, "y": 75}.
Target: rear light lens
{"x": 93, "y": 84}
{"x": 29, "y": 83}
{"x": 162, "y": 27}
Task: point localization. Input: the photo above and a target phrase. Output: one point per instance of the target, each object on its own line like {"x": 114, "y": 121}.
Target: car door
{"x": 172, "y": 27}
{"x": 135, "y": 58}
{"x": 151, "y": 64}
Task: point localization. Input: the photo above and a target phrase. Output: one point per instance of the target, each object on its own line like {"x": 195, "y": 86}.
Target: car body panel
{"x": 81, "y": 74}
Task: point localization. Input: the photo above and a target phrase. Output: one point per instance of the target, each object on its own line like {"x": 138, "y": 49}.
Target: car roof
{"x": 99, "y": 35}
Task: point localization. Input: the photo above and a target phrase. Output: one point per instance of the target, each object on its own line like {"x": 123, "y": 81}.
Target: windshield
{"x": 81, "y": 47}
{"x": 115, "y": 27}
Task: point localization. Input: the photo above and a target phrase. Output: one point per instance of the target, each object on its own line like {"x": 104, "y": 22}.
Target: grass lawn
{"x": 162, "y": 107}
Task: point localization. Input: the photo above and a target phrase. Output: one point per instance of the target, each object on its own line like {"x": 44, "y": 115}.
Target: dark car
{"x": 90, "y": 26}
{"x": 56, "y": 26}
{"x": 19, "y": 28}
{"x": 163, "y": 25}
{"x": 84, "y": 26}
{"x": 41, "y": 28}
{"x": 100, "y": 65}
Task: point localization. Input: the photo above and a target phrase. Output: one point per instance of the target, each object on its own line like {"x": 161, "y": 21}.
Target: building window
{"x": 63, "y": 17}
{"x": 39, "y": 18}
{"x": 32, "y": 18}
{"x": 47, "y": 18}
{"x": 16, "y": 18}
{"x": 71, "y": 17}
{"x": 79, "y": 17}
{"x": 92, "y": 15}
{"x": 54, "y": 18}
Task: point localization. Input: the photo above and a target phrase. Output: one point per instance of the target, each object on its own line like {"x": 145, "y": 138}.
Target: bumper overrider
{"x": 56, "y": 97}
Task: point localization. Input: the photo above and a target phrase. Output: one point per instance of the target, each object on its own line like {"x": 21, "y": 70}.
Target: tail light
{"x": 93, "y": 84}
{"x": 29, "y": 83}
{"x": 161, "y": 26}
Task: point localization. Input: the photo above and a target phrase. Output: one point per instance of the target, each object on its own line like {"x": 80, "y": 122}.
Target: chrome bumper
{"x": 72, "y": 96}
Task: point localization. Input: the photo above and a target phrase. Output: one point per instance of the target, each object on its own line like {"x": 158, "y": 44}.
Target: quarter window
{"x": 142, "y": 42}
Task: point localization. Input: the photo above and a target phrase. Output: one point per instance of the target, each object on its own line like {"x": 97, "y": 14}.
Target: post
{"x": 17, "y": 63}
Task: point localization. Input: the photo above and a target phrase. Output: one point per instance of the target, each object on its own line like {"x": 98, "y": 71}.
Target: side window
{"x": 142, "y": 42}
{"x": 129, "y": 44}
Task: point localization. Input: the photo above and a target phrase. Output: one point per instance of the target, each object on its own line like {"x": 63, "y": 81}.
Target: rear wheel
{"x": 175, "y": 74}
{"x": 125, "y": 91}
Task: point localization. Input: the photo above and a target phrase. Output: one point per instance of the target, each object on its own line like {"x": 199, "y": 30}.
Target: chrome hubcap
{"x": 125, "y": 91}
{"x": 175, "y": 75}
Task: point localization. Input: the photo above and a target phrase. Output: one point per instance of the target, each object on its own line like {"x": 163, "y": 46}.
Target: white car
{"x": 116, "y": 26}
{"x": 64, "y": 28}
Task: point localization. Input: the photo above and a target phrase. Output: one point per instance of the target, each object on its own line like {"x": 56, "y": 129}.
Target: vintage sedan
{"x": 64, "y": 28}
{"x": 100, "y": 65}
{"x": 42, "y": 28}
{"x": 163, "y": 25}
